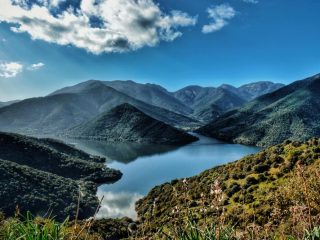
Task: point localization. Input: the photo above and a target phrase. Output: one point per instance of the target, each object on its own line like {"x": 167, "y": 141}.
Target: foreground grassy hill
{"x": 274, "y": 193}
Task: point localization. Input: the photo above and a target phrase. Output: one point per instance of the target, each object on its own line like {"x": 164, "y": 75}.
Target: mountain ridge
{"x": 290, "y": 112}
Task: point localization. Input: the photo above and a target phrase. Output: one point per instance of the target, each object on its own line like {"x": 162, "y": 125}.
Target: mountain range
{"x": 66, "y": 108}
{"x": 208, "y": 102}
{"x": 291, "y": 112}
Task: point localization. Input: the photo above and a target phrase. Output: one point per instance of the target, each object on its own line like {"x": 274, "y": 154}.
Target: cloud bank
{"x": 220, "y": 14}
{"x": 10, "y": 69}
{"x": 96, "y": 26}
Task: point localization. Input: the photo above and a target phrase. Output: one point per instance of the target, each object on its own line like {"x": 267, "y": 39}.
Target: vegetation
{"x": 274, "y": 193}
{"x": 288, "y": 113}
{"x": 126, "y": 123}
{"x": 35, "y": 228}
{"x": 45, "y": 176}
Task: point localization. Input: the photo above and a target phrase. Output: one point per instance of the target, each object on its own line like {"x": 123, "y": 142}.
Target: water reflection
{"x": 145, "y": 166}
{"x": 121, "y": 152}
{"x": 118, "y": 204}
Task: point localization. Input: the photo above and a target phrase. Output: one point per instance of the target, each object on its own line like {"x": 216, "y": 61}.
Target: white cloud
{"x": 10, "y": 69}
{"x": 36, "y": 66}
{"x": 124, "y": 25}
{"x": 220, "y": 15}
{"x": 251, "y": 1}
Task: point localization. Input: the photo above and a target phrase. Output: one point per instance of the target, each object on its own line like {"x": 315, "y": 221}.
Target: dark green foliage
{"x": 250, "y": 181}
{"x": 36, "y": 177}
{"x": 261, "y": 168}
{"x": 235, "y": 187}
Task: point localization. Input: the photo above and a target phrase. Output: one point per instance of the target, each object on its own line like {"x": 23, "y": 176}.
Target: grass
{"x": 273, "y": 194}
{"x": 31, "y": 228}
{"x": 242, "y": 200}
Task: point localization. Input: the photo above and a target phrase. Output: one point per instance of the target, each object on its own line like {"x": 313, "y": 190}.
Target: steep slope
{"x": 265, "y": 190}
{"x": 149, "y": 93}
{"x": 291, "y": 112}
{"x": 125, "y": 123}
{"x": 54, "y": 113}
{"x": 36, "y": 174}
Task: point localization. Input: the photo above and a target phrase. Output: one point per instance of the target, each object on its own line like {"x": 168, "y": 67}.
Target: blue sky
{"x": 244, "y": 41}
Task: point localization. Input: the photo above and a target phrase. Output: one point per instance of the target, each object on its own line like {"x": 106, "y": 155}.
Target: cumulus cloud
{"x": 251, "y": 1}
{"x": 10, "y": 69}
{"x": 36, "y": 66}
{"x": 220, "y": 14}
{"x": 97, "y": 26}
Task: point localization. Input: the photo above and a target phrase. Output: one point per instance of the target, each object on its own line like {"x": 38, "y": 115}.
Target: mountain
{"x": 253, "y": 90}
{"x": 266, "y": 191}
{"x": 57, "y": 112}
{"x": 208, "y": 103}
{"x": 291, "y": 112}
{"x": 125, "y": 123}
{"x": 149, "y": 93}
{"x": 3, "y": 104}
{"x": 36, "y": 174}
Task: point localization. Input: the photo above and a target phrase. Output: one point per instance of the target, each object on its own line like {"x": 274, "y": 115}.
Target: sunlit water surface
{"x": 145, "y": 166}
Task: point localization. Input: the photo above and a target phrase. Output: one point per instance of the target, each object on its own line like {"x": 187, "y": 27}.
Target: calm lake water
{"x": 145, "y": 166}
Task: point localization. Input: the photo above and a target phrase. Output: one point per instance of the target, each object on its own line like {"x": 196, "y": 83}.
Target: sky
{"x": 49, "y": 44}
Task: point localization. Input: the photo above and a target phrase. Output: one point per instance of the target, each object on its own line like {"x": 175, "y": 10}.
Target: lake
{"x": 145, "y": 166}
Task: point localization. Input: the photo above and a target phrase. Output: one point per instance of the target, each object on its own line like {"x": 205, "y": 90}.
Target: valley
{"x": 114, "y": 141}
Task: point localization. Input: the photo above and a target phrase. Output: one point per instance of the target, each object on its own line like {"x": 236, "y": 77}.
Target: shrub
{"x": 234, "y": 187}
{"x": 250, "y": 181}
{"x": 261, "y": 168}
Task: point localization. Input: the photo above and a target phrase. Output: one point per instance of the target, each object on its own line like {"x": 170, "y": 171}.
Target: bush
{"x": 261, "y": 168}
{"x": 234, "y": 187}
{"x": 250, "y": 181}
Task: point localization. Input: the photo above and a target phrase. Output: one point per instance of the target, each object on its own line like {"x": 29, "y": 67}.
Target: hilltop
{"x": 125, "y": 123}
